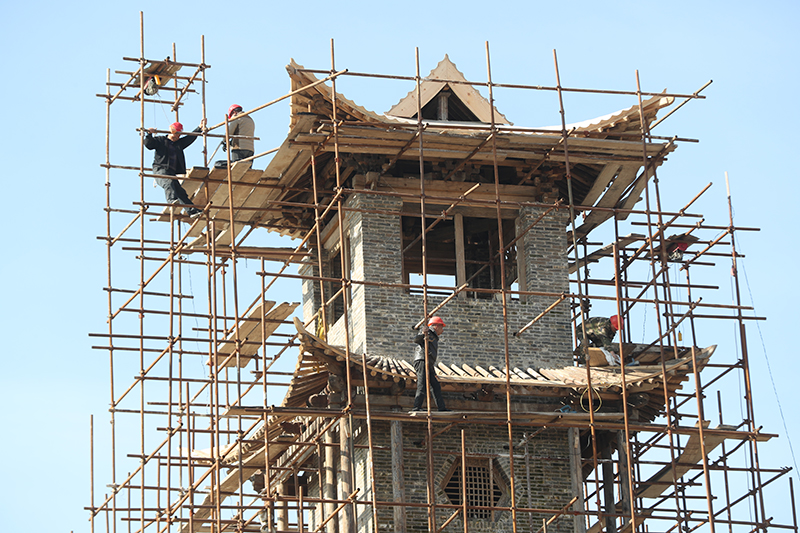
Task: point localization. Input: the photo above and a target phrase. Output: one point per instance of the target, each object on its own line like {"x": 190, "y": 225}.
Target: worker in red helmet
{"x": 427, "y": 341}
{"x": 170, "y": 161}
{"x": 600, "y": 333}
{"x": 241, "y": 130}
{"x": 676, "y": 249}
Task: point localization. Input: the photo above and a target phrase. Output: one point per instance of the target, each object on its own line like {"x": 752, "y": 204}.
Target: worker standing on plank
{"x": 428, "y": 336}
{"x": 170, "y": 161}
{"x": 241, "y": 147}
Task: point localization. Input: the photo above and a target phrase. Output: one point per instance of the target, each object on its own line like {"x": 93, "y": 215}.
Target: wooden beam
{"x": 461, "y": 267}
{"x": 398, "y": 476}
{"x": 451, "y": 189}
{"x": 600, "y": 184}
{"x": 609, "y": 199}
{"x": 691, "y": 456}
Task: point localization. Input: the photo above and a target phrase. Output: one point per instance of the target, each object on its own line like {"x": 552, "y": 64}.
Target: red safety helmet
{"x": 233, "y": 108}
{"x": 435, "y": 320}
{"x": 177, "y": 126}
{"x": 676, "y": 249}
{"x": 614, "y": 322}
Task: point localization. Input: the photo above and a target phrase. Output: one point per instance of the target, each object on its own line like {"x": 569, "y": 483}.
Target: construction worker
{"x": 600, "y": 333}
{"x": 241, "y": 148}
{"x": 675, "y": 251}
{"x": 431, "y": 332}
{"x": 170, "y": 161}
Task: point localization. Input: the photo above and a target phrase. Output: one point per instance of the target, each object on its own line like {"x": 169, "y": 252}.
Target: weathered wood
{"x": 430, "y": 87}
{"x": 609, "y": 199}
{"x": 230, "y": 484}
{"x": 600, "y": 184}
{"x": 252, "y": 328}
{"x": 691, "y": 456}
{"x": 267, "y": 253}
{"x": 605, "y": 251}
{"x": 455, "y": 188}
{"x": 461, "y": 267}
{"x": 607, "y": 469}
{"x": 576, "y": 479}
{"x": 347, "y": 517}
{"x": 283, "y": 508}
{"x": 329, "y": 487}
{"x": 625, "y": 487}
{"x": 398, "y": 476}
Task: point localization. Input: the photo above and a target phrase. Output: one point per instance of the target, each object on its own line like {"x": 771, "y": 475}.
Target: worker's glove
{"x": 224, "y": 147}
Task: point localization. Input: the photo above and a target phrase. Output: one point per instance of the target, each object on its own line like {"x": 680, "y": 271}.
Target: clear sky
{"x": 56, "y": 55}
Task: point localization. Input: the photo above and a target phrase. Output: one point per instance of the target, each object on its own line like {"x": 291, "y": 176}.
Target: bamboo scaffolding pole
{"x": 627, "y": 445}
{"x": 431, "y": 498}
{"x": 758, "y": 502}
{"x": 507, "y": 85}
{"x": 331, "y": 77}
{"x": 180, "y": 412}
{"x": 664, "y": 270}
{"x": 504, "y": 298}
{"x": 141, "y": 283}
{"x": 583, "y": 317}
{"x": 541, "y": 315}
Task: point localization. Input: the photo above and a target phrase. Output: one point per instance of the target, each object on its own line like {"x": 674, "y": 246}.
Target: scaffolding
{"x": 205, "y": 429}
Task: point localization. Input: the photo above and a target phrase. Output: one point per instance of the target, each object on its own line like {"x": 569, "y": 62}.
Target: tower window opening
{"x": 483, "y": 486}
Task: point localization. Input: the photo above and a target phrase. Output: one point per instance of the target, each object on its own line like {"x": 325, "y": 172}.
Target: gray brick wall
{"x": 381, "y": 317}
{"x": 380, "y": 323}
{"x": 548, "y": 468}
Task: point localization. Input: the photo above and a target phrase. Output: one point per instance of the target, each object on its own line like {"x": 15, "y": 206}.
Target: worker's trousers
{"x": 436, "y": 389}
{"x": 173, "y": 190}
{"x": 236, "y": 155}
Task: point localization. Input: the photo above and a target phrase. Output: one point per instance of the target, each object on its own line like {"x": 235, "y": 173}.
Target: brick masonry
{"x": 380, "y": 320}
{"x": 380, "y": 317}
{"x": 547, "y": 467}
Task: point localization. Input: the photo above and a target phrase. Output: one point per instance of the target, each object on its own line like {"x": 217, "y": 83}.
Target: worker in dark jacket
{"x": 600, "y": 333}
{"x": 170, "y": 161}
{"x": 430, "y": 332}
{"x": 238, "y": 125}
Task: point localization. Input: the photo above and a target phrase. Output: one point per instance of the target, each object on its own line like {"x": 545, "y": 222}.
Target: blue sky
{"x": 56, "y": 56}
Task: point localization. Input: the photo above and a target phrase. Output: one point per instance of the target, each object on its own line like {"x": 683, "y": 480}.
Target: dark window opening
{"x": 482, "y": 485}
{"x": 335, "y": 306}
{"x": 460, "y": 250}
{"x": 455, "y": 108}
{"x": 440, "y": 253}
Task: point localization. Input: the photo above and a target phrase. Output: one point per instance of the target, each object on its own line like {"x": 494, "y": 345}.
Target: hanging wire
{"x": 769, "y": 368}
{"x": 739, "y": 350}
{"x": 194, "y": 312}
{"x": 164, "y": 107}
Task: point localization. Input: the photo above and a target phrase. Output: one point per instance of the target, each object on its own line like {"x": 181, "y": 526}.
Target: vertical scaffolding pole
{"x": 568, "y": 176}
{"x": 142, "y": 208}
{"x": 346, "y": 431}
{"x": 431, "y": 493}
{"x": 503, "y": 295}
{"x": 398, "y": 476}
{"x": 229, "y": 516}
{"x": 755, "y": 472}
{"x": 110, "y": 320}
{"x": 650, "y": 235}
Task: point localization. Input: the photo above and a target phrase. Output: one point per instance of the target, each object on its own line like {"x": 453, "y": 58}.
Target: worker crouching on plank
{"x": 430, "y": 332}
{"x": 170, "y": 161}
{"x": 600, "y": 333}
{"x": 241, "y": 148}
